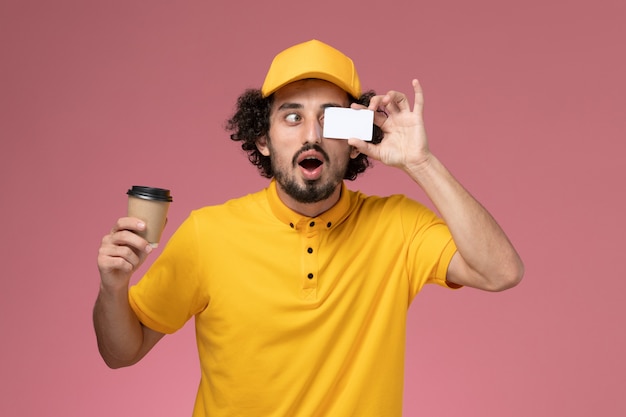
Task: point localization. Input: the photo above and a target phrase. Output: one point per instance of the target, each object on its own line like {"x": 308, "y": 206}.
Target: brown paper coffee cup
{"x": 150, "y": 205}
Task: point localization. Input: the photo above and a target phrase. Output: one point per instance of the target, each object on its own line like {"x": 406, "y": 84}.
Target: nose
{"x": 313, "y": 133}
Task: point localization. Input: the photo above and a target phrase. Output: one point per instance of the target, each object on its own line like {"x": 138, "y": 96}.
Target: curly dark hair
{"x": 252, "y": 120}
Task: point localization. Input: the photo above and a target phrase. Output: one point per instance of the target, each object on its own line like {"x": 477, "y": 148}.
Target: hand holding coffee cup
{"x": 150, "y": 205}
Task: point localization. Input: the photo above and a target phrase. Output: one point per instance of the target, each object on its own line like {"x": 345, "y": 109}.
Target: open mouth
{"x": 311, "y": 159}
{"x": 310, "y": 164}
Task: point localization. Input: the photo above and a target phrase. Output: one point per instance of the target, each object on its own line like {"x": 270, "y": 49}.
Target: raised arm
{"x": 122, "y": 339}
{"x": 485, "y": 259}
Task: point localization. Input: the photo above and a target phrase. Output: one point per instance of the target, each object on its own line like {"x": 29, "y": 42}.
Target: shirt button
{"x": 310, "y": 250}
{"x": 291, "y": 225}
{"x": 329, "y": 224}
{"x": 312, "y": 224}
{"x": 310, "y": 276}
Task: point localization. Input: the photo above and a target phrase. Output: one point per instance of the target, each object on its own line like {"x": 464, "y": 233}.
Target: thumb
{"x": 364, "y": 147}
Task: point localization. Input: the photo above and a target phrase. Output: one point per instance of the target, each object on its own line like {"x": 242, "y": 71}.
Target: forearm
{"x": 485, "y": 258}
{"x": 118, "y": 331}
{"x": 489, "y": 260}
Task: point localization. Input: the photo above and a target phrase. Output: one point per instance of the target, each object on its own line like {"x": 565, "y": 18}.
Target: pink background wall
{"x": 525, "y": 103}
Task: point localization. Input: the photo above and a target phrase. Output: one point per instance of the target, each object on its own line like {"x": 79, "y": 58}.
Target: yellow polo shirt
{"x": 297, "y": 316}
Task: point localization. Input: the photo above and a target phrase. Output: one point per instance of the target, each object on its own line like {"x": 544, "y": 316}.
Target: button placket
{"x": 310, "y": 260}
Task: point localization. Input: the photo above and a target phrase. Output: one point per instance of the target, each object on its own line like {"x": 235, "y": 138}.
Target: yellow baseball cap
{"x": 312, "y": 59}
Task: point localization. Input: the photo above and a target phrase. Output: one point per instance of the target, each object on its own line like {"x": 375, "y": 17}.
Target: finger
{"x": 112, "y": 265}
{"x": 127, "y": 238}
{"x": 419, "y": 97}
{"x": 380, "y": 117}
{"x": 364, "y": 147}
{"x": 397, "y": 102}
{"x": 376, "y": 102}
{"x": 111, "y": 255}
{"x": 129, "y": 223}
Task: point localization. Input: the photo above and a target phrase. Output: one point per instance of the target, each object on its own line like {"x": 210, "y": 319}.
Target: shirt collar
{"x": 328, "y": 220}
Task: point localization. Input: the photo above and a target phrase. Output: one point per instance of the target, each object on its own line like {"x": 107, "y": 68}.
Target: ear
{"x": 354, "y": 152}
{"x": 261, "y": 145}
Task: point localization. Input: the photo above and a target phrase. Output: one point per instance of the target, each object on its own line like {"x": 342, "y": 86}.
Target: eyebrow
{"x": 290, "y": 106}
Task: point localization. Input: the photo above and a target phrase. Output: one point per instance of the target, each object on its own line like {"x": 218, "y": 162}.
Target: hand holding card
{"x": 345, "y": 123}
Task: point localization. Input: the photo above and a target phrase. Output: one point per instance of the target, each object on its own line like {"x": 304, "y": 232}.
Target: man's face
{"x": 307, "y": 167}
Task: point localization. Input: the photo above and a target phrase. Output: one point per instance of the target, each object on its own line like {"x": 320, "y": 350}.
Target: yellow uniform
{"x": 295, "y": 315}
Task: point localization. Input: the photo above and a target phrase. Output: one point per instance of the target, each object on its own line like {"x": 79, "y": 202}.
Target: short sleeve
{"x": 431, "y": 247}
{"x": 169, "y": 294}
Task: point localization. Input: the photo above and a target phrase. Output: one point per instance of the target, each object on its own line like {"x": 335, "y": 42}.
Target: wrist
{"x": 114, "y": 288}
{"x": 421, "y": 168}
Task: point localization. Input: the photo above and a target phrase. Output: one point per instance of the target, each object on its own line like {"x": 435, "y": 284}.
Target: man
{"x": 300, "y": 291}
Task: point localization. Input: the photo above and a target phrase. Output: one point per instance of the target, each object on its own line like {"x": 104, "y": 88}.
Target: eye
{"x": 293, "y": 118}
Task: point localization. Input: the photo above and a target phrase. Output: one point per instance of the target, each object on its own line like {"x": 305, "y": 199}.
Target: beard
{"x": 312, "y": 191}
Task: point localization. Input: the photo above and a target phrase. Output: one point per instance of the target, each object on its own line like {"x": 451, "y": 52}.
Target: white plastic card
{"x": 345, "y": 123}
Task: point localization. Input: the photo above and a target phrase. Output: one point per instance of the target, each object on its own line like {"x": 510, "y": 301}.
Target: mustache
{"x": 308, "y": 147}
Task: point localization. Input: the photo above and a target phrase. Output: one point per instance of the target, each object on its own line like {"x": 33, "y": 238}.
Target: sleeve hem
{"x": 145, "y": 319}
{"x": 444, "y": 263}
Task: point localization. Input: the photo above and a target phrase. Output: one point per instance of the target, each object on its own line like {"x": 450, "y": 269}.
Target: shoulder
{"x": 392, "y": 202}
{"x": 242, "y": 204}
{"x": 396, "y": 210}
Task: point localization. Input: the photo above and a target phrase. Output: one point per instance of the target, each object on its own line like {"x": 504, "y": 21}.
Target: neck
{"x": 309, "y": 209}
